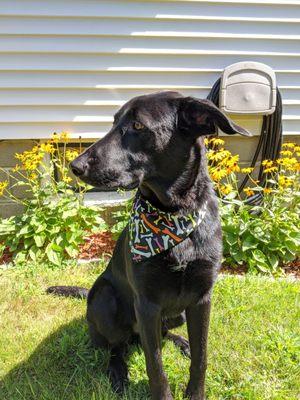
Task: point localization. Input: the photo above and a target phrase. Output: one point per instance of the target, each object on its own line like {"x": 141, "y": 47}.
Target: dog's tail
{"x": 69, "y": 291}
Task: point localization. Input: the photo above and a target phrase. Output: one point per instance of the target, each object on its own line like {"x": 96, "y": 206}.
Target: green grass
{"x": 45, "y": 353}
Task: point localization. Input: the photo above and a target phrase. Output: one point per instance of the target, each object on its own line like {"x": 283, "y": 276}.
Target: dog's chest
{"x": 175, "y": 288}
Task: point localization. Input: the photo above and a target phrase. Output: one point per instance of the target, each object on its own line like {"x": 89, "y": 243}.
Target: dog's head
{"x": 152, "y": 137}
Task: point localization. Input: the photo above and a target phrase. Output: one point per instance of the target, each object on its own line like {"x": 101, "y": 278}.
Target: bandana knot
{"x": 153, "y": 231}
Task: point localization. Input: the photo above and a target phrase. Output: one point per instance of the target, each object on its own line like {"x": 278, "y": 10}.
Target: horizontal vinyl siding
{"x": 69, "y": 65}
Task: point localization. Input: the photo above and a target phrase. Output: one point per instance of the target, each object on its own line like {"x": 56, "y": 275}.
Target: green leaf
{"x": 20, "y": 257}
{"x": 53, "y": 256}
{"x": 2, "y": 248}
{"x": 70, "y": 213}
{"x": 33, "y": 253}
{"x": 39, "y": 240}
{"x": 249, "y": 242}
{"x": 239, "y": 256}
{"x": 273, "y": 260}
{"x": 72, "y": 251}
{"x": 231, "y": 238}
{"x": 41, "y": 228}
{"x": 56, "y": 247}
{"x": 259, "y": 256}
{"x": 25, "y": 229}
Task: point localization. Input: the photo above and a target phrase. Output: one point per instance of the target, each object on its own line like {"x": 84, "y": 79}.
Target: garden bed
{"x": 260, "y": 223}
{"x": 101, "y": 245}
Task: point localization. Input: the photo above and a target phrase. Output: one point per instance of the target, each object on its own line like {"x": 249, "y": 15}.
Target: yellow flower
{"x": 288, "y": 145}
{"x": 286, "y": 153}
{"x": 30, "y": 159}
{"x": 32, "y": 176}
{"x": 288, "y": 163}
{"x": 64, "y": 136}
{"x": 47, "y": 148}
{"x": 67, "y": 179}
{"x": 270, "y": 170}
{"x": 267, "y": 163}
{"x": 71, "y": 155}
{"x": 284, "y": 181}
{"x": 217, "y": 141}
{"x": 217, "y": 174}
{"x": 249, "y": 192}
{"x": 3, "y": 186}
{"x": 247, "y": 170}
{"x": 232, "y": 160}
{"x": 206, "y": 141}
{"x": 233, "y": 168}
{"x": 297, "y": 148}
{"x": 218, "y": 155}
{"x": 55, "y": 138}
{"x": 267, "y": 190}
{"x": 226, "y": 188}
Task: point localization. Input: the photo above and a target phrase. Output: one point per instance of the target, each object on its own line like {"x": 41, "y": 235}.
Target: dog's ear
{"x": 202, "y": 117}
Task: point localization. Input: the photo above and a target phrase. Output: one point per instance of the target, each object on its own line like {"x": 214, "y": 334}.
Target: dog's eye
{"x": 138, "y": 126}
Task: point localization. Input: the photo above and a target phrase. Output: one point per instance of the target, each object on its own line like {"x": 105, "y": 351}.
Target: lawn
{"x": 45, "y": 353}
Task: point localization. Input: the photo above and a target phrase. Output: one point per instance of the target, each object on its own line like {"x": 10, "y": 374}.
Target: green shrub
{"x": 121, "y": 218}
{"x": 55, "y": 219}
{"x": 266, "y": 236}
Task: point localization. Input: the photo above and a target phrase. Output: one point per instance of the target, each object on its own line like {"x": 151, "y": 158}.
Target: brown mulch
{"x": 236, "y": 270}
{"x": 293, "y": 268}
{"x": 102, "y": 244}
{"x": 6, "y": 256}
{"x": 97, "y": 245}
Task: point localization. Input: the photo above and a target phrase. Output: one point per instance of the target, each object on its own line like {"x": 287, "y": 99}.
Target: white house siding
{"x": 68, "y": 65}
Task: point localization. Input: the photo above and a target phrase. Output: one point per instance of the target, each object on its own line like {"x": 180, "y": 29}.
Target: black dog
{"x": 156, "y": 144}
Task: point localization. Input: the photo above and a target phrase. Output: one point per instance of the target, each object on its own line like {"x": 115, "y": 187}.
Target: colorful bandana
{"x": 153, "y": 231}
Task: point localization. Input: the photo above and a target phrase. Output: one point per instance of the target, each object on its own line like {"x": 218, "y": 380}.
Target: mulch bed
{"x": 293, "y": 268}
{"x": 6, "y": 256}
{"x": 102, "y": 244}
{"x": 97, "y": 245}
{"x": 237, "y": 270}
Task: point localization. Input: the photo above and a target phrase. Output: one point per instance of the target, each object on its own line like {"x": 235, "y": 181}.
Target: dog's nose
{"x": 78, "y": 167}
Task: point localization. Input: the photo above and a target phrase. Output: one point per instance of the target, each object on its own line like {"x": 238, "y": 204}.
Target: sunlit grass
{"x": 45, "y": 353}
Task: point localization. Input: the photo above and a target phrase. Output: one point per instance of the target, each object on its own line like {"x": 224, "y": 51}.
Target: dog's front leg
{"x": 149, "y": 323}
{"x": 197, "y": 317}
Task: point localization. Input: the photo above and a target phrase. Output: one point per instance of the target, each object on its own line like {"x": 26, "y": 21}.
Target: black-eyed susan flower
{"x": 71, "y": 155}
{"x": 286, "y": 153}
{"x": 217, "y": 174}
{"x": 288, "y": 145}
{"x": 267, "y": 163}
{"x": 217, "y": 141}
{"x": 249, "y": 192}
{"x": 47, "y": 148}
{"x": 247, "y": 170}
{"x": 267, "y": 190}
{"x": 270, "y": 170}
{"x": 226, "y": 188}
{"x": 67, "y": 179}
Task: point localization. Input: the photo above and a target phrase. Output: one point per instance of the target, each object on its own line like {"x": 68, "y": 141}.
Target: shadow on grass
{"x": 64, "y": 366}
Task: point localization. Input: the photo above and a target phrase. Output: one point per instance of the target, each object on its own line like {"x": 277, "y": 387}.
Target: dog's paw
{"x": 181, "y": 343}
{"x": 192, "y": 395}
{"x": 118, "y": 376}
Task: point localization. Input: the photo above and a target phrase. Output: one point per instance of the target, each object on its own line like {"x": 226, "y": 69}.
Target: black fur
{"x": 69, "y": 291}
{"x": 166, "y": 160}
